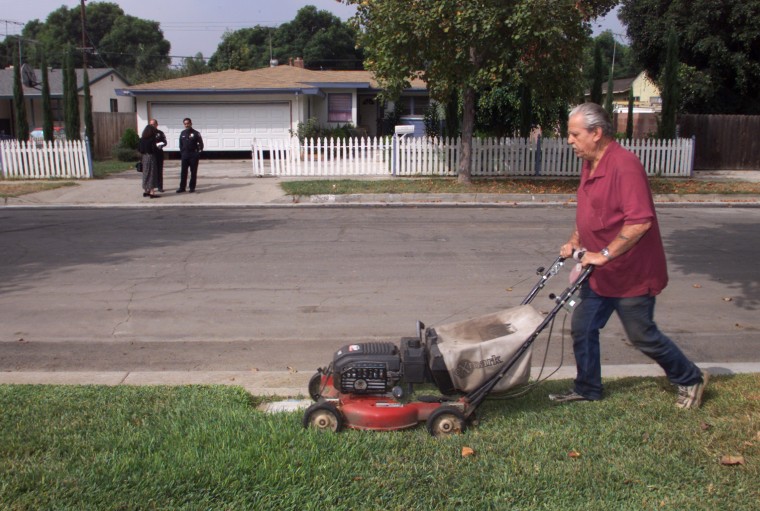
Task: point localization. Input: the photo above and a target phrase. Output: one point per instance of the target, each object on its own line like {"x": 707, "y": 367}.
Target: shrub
{"x": 130, "y": 139}
{"x": 124, "y": 153}
{"x": 312, "y": 129}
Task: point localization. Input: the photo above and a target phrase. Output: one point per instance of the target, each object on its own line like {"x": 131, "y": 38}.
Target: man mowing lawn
{"x": 617, "y": 226}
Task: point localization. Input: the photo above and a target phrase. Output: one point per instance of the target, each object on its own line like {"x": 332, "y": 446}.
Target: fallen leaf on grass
{"x": 731, "y": 460}
{"x": 467, "y": 452}
{"x": 574, "y": 454}
{"x": 705, "y": 426}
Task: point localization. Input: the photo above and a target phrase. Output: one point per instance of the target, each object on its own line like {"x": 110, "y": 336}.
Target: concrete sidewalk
{"x": 232, "y": 183}
{"x": 295, "y": 384}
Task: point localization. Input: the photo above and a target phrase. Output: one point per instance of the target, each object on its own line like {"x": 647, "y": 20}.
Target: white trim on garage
{"x": 224, "y": 126}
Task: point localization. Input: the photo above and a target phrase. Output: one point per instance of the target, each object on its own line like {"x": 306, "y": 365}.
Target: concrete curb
{"x": 295, "y": 384}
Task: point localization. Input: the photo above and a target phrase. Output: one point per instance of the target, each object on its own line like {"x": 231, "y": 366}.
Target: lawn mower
{"x": 363, "y": 387}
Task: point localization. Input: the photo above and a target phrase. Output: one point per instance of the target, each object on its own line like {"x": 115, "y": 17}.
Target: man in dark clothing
{"x": 160, "y": 144}
{"x": 190, "y": 147}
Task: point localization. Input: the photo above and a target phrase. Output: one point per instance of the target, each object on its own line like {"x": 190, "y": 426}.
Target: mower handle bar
{"x": 547, "y": 274}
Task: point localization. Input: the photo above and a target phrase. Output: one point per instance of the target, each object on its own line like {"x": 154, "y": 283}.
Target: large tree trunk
{"x": 468, "y": 127}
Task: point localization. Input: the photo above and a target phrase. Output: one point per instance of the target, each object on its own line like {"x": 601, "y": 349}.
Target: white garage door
{"x": 224, "y": 126}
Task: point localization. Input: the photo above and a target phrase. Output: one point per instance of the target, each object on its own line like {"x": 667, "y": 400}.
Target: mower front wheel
{"x": 446, "y": 420}
{"x": 324, "y": 417}
{"x": 315, "y": 386}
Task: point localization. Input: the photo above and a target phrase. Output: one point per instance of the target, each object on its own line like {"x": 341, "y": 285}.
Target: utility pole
{"x": 84, "y": 36}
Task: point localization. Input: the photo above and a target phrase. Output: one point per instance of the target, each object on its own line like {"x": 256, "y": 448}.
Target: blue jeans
{"x": 637, "y": 316}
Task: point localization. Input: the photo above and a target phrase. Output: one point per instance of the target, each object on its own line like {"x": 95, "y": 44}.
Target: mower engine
{"x": 378, "y": 367}
{"x": 382, "y": 367}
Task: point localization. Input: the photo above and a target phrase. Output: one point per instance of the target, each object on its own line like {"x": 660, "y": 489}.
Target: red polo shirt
{"x": 618, "y": 194}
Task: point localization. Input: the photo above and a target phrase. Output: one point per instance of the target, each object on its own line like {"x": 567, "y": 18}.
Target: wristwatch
{"x": 606, "y": 253}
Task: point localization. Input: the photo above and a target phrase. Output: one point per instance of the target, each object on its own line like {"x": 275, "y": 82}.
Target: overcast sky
{"x": 194, "y": 26}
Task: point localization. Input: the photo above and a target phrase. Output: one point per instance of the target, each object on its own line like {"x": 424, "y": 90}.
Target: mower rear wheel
{"x": 324, "y": 417}
{"x": 446, "y": 420}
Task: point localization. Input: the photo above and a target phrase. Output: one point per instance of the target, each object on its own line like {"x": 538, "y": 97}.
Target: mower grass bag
{"x": 475, "y": 349}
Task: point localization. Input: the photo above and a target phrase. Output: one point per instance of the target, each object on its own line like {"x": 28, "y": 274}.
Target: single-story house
{"x": 103, "y": 85}
{"x": 232, "y": 108}
{"x": 647, "y": 103}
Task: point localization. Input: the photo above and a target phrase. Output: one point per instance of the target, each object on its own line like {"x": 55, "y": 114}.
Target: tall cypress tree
{"x": 526, "y": 111}
{"x": 608, "y": 98}
{"x": 629, "y": 124}
{"x": 670, "y": 89}
{"x": 71, "y": 99}
{"x": 598, "y": 75}
{"x": 19, "y": 108}
{"x": 88, "y": 131}
{"x": 47, "y": 109}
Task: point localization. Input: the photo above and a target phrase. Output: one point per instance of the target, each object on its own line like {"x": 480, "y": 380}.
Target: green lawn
{"x": 139, "y": 448}
{"x": 515, "y": 185}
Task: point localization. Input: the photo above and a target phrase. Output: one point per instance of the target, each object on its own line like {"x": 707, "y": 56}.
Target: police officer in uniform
{"x": 190, "y": 147}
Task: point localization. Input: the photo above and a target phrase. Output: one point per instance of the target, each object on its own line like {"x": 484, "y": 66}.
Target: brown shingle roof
{"x": 269, "y": 78}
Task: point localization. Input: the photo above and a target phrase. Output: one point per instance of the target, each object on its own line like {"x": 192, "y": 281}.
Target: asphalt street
{"x": 249, "y": 293}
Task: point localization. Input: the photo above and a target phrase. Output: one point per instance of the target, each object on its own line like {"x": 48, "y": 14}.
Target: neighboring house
{"x": 647, "y": 103}
{"x": 232, "y": 108}
{"x": 103, "y": 85}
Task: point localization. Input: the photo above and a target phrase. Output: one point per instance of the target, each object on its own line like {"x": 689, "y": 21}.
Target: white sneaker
{"x": 691, "y": 396}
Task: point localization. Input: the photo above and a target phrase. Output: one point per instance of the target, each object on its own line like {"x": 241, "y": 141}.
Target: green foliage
{"x": 432, "y": 120}
{"x": 526, "y": 111}
{"x": 126, "y": 149}
{"x": 670, "y": 90}
{"x": 629, "y": 121}
{"x": 311, "y": 129}
{"x": 318, "y": 36}
{"x": 598, "y": 75}
{"x": 610, "y": 48}
{"x": 470, "y": 47}
{"x": 47, "y": 110}
{"x": 135, "y": 47}
{"x": 608, "y": 104}
{"x": 718, "y": 48}
{"x": 501, "y": 112}
{"x": 88, "y": 128}
{"x": 19, "y": 105}
{"x": 70, "y": 97}
{"x": 120, "y": 153}
{"x": 391, "y": 119}
{"x": 130, "y": 139}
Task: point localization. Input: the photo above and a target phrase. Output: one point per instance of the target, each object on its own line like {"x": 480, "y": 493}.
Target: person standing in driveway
{"x": 190, "y": 147}
{"x": 616, "y": 226}
{"x": 147, "y": 149}
{"x": 160, "y": 144}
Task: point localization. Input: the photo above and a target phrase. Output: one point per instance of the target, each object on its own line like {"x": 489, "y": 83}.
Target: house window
{"x": 339, "y": 108}
{"x": 56, "y": 109}
{"x": 412, "y": 105}
{"x": 114, "y": 105}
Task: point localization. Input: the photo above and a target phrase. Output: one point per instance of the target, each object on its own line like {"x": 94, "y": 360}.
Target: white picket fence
{"x": 44, "y": 160}
{"x": 491, "y": 157}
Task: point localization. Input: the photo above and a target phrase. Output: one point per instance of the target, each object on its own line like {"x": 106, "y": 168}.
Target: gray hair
{"x": 594, "y": 116}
